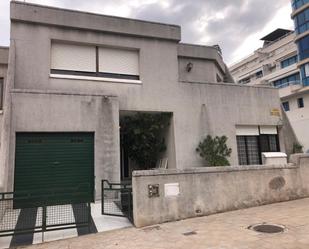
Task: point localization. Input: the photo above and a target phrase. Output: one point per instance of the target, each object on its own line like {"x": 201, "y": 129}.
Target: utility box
{"x": 274, "y": 158}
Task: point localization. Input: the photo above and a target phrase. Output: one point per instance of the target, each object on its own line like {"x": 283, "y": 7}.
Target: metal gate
{"x": 117, "y": 199}
{"x": 44, "y": 216}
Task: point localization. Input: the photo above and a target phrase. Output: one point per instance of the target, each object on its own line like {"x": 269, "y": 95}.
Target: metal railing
{"x": 117, "y": 199}
{"x": 22, "y": 213}
{"x": 291, "y": 83}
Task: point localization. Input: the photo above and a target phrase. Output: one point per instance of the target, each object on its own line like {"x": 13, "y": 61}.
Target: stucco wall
{"x": 197, "y": 74}
{"x": 3, "y": 74}
{"x": 204, "y": 191}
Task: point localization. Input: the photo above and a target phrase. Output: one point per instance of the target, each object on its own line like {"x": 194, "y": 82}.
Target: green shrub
{"x": 297, "y": 148}
{"x": 214, "y": 150}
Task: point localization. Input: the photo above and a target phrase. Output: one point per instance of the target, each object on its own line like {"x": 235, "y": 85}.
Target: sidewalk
{"x": 220, "y": 231}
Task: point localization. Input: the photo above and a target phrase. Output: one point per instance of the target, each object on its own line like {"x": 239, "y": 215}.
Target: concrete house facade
{"x": 73, "y": 75}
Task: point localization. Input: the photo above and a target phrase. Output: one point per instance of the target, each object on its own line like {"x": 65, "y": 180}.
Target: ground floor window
{"x": 248, "y": 150}
{"x": 251, "y": 145}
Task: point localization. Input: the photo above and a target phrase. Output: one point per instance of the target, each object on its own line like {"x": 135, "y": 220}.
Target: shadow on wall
{"x": 289, "y": 137}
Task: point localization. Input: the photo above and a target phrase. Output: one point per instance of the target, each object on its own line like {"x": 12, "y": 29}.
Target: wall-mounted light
{"x": 189, "y": 67}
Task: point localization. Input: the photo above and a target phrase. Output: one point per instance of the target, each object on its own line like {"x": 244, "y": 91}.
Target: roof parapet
{"x": 33, "y": 13}
{"x": 201, "y": 52}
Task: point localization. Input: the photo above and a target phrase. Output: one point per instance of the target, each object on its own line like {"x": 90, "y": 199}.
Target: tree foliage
{"x": 143, "y": 138}
{"x": 214, "y": 150}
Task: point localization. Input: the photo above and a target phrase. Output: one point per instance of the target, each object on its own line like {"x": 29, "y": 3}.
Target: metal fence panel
{"x": 18, "y": 220}
{"x": 117, "y": 199}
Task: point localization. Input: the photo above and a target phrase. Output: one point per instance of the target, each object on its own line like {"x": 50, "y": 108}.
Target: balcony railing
{"x": 291, "y": 83}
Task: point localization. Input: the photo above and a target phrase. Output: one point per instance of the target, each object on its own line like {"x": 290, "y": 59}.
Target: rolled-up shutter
{"x": 247, "y": 130}
{"x": 268, "y": 129}
{"x": 118, "y": 61}
{"x": 73, "y": 57}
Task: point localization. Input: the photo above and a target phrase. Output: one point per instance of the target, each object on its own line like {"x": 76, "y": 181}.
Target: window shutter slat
{"x": 247, "y": 130}
{"x": 267, "y": 129}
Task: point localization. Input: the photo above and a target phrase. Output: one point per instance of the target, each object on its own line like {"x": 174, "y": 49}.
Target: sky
{"x": 236, "y": 25}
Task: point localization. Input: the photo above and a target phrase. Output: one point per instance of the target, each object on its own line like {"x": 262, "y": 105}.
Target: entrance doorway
{"x": 146, "y": 142}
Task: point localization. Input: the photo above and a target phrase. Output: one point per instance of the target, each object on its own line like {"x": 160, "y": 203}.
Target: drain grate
{"x": 267, "y": 228}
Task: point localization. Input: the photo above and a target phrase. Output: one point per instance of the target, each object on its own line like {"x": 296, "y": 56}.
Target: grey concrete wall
{"x": 197, "y": 73}
{"x": 205, "y": 191}
{"x": 3, "y": 75}
{"x": 4, "y": 56}
{"x": 4, "y": 60}
{"x": 198, "y": 109}
{"x": 5, "y": 162}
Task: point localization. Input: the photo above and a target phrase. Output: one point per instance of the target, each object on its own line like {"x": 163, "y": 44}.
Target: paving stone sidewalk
{"x": 219, "y": 231}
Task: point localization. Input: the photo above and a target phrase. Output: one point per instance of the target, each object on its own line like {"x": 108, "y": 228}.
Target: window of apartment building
{"x": 306, "y": 69}
{"x": 286, "y": 106}
{"x": 259, "y": 74}
{"x": 300, "y": 102}
{"x": 303, "y": 48}
{"x": 302, "y": 21}
{"x": 305, "y": 74}
{"x": 289, "y": 61}
{"x": 253, "y": 140}
{"x": 94, "y": 61}
{"x": 1, "y": 93}
{"x": 286, "y": 81}
{"x": 298, "y": 3}
{"x": 244, "y": 81}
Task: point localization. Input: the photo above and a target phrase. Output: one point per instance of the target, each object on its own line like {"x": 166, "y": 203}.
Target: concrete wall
{"x": 299, "y": 117}
{"x": 4, "y": 58}
{"x": 204, "y": 191}
{"x": 197, "y": 74}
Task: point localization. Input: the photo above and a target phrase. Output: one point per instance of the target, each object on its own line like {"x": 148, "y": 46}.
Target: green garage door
{"x": 61, "y": 164}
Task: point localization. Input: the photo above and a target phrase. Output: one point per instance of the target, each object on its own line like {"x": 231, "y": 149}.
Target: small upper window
{"x": 259, "y": 74}
{"x": 244, "y": 81}
{"x": 286, "y": 106}
{"x": 300, "y": 102}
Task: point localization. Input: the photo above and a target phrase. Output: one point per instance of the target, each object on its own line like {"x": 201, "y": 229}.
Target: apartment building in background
{"x": 282, "y": 62}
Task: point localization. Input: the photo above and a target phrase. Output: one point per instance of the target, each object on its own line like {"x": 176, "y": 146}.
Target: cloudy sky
{"x": 236, "y": 25}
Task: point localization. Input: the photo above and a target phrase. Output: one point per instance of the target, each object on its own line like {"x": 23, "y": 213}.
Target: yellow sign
{"x": 275, "y": 112}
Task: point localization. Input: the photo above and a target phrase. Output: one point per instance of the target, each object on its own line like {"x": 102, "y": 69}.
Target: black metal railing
{"x": 117, "y": 199}
{"x": 37, "y": 212}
